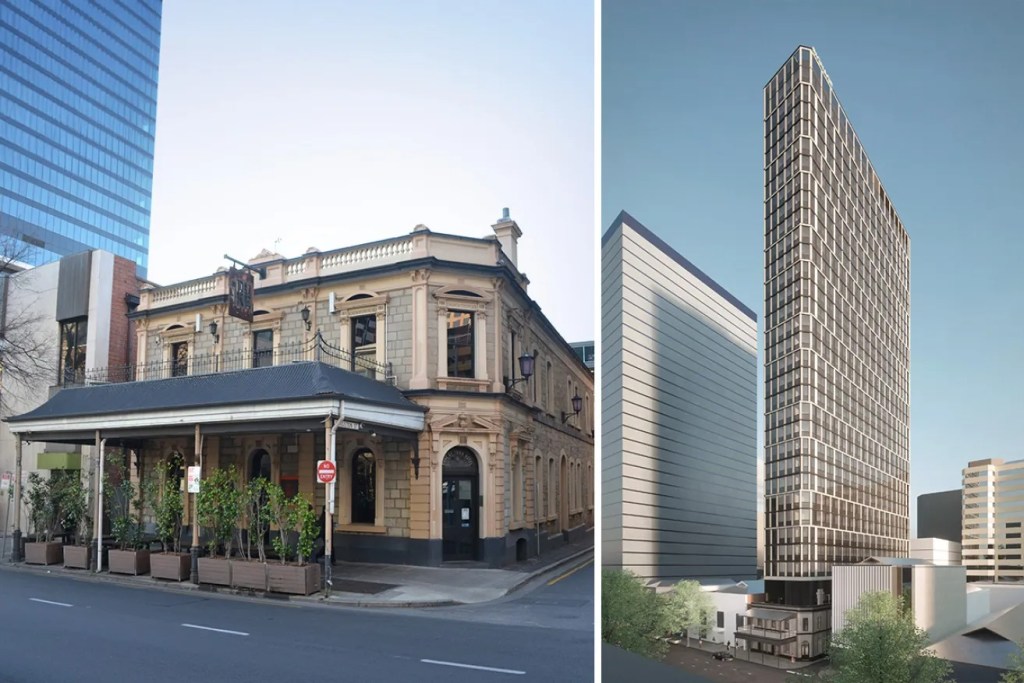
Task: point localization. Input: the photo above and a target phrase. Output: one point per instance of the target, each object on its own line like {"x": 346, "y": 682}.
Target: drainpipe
{"x": 98, "y": 525}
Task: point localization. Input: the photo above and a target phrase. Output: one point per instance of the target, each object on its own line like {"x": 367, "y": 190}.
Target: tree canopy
{"x": 881, "y": 644}
{"x": 632, "y": 616}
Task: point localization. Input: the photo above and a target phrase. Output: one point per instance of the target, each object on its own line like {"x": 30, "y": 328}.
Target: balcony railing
{"x": 316, "y": 349}
{"x": 766, "y": 633}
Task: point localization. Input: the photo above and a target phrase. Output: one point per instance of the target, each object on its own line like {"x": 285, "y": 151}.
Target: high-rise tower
{"x": 78, "y": 108}
{"x": 837, "y": 358}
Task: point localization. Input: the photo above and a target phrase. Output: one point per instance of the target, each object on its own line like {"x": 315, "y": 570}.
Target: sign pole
{"x": 193, "y": 490}
{"x": 5, "y": 486}
{"x": 329, "y": 428}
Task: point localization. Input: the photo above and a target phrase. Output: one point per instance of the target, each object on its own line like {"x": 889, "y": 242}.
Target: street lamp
{"x": 577, "y": 406}
{"x": 525, "y": 368}
{"x": 305, "y": 318}
{"x": 213, "y": 331}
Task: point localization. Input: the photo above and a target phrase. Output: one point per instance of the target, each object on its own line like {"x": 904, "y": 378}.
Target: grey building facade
{"x": 940, "y": 515}
{"x": 679, "y": 415}
{"x": 837, "y": 355}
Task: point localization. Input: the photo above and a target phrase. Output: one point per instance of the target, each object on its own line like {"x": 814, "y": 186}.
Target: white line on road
{"x": 218, "y": 630}
{"x": 51, "y": 602}
{"x": 473, "y": 666}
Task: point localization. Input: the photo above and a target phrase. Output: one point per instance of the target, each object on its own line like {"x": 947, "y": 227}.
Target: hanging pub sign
{"x": 240, "y": 294}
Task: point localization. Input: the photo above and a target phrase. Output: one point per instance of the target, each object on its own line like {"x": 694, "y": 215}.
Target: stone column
{"x": 480, "y": 346}
{"x": 380, "y": 352}
{"x": 419, "y": 379}
{"x": 442, "y": 342}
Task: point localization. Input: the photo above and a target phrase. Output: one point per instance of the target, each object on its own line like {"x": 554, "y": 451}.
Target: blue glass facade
{"x": 78, "y": 85}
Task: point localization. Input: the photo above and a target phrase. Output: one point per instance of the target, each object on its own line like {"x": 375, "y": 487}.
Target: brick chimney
{"x": 508, "y": 234}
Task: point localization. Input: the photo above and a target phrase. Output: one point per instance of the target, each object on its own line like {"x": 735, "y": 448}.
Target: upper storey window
{"x": 460, "y": 344}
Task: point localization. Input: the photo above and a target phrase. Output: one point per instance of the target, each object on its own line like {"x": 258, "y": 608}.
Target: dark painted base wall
{"x": 515, "y": 546}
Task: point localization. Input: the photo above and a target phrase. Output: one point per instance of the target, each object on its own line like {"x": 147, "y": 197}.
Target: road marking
{"x": 569, "y": 573}
{"x": 474, "y": 666}
{"x": 218, "y": 630}
{"x": 51, "y": 602}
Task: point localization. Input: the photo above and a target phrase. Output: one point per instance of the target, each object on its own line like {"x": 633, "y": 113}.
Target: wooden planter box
{"x": 134, "y": 562}
{"x": 293, "y": 579}
{"x": 172, "y": 566}
{"x": 78, "y": 556}
{"x": 246, "y": 574}
{"x": 215, "y": 570}
{"x": 44, "y": 553}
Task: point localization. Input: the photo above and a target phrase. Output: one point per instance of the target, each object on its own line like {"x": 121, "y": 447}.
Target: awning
{"x": 771, "y": 614}
{"x": 296, "y": 395}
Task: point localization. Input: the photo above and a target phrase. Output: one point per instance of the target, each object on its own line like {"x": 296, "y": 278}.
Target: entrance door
{"x": 460, "y": 506}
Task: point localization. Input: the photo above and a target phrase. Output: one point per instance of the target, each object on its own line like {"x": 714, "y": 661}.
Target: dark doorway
{"x": 460, "y": 504}
{"x": 259, "y": 465}
{"x": 521, "y": 550}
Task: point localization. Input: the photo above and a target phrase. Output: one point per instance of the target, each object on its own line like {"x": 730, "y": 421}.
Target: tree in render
{"x": 688, "y": 608}
{"x": 881, "y": 644}
{"x": 1016, "y": 672}
{"x": 633, "y": 616}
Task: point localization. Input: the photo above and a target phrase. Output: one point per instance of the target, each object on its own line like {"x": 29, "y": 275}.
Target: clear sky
{"x": 934, "y": 91}
{"x": 332, "y": 123}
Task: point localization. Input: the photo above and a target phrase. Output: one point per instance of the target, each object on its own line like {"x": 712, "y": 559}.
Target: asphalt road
{"x": 61, "y": 629}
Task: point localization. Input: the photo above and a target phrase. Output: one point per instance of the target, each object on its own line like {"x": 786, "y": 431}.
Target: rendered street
{"x": 62, "y": 629}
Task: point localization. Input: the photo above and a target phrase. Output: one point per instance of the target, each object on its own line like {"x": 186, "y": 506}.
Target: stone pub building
{"x": 406, "y": 355}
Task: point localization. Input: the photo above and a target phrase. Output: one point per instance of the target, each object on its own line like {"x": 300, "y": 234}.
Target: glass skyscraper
{"x": 837, "y": 359}
{"x": 78, "y": 83}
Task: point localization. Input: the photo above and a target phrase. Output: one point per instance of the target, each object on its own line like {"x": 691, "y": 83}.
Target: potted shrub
{"x": 125, "y": 509}
{"x": 293, "y": 515}
{"x": 164, "y": 494}
{"x": 75, "y": 510}
{"x": 218, "y": 507}
{"x": 248, "y": 572}
{"x": 44, "y": 502}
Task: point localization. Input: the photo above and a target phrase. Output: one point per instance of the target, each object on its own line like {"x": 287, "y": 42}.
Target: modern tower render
{"x": 679, "y": 404}
{"x": 78, "y": 87}
{"x": 837, "y": 358}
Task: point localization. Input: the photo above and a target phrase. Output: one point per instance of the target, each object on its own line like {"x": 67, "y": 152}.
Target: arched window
{"x": 586, "y": 489}
{"x": 579, "y": 485}
{"x": 551, "y": 487}
{"x": 538, "y": 489}
{"x": 517, "y": 488}
{"x": 364, "y": 487}
{"x": 571, "y": 486}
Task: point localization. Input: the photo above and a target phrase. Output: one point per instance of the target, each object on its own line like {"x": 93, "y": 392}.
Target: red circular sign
{"x": 326, "y": 471}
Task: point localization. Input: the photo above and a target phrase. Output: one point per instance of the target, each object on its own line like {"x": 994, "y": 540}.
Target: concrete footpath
{"x": 373, "y": 585}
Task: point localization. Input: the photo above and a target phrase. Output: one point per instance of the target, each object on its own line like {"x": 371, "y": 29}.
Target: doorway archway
{"x": 460, "y": 506}
{"x": 259, "y": 465}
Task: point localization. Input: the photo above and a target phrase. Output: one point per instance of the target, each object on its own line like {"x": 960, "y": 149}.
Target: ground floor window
{"x": 364, "y": 487}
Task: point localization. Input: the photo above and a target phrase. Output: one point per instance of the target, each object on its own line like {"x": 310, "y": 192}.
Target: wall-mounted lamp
{"x": 305, "y": 318}
{"x": 213, "y": 332}
{"x": 158, "y": 341}
{"x": 525, "y": 368}
{"x": 577, "y": 406}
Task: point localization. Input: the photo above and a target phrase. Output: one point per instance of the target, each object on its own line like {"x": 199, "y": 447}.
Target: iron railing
{"x": 317, "y": 349}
